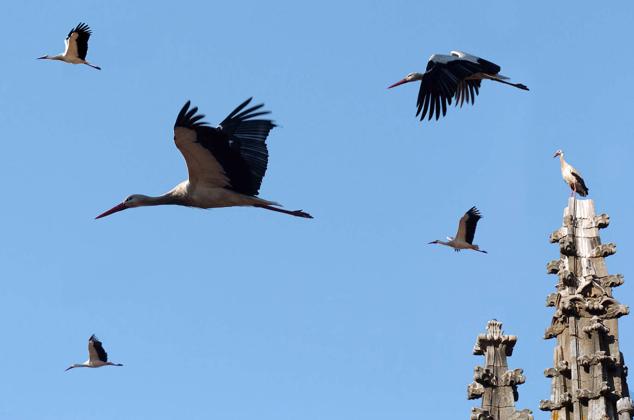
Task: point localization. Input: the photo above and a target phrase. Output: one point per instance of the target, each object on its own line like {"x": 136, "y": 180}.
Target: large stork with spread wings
{"x": 97, "y": 356}
{"x": 226, "y": 164}
{"x": 466, "y": 232}
{"x": 76, "y": 47}
{"x": 456, "y": 76}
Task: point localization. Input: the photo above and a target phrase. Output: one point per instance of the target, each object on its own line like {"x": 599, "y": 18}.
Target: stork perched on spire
{"x": 97, "y": 356}
{"x": 456, "y": 76}
{"x": 466, "y": 232}
{"x": 226, "y": 164}
{"x": 76, "y": 47}
{"x": 571, "y": 176}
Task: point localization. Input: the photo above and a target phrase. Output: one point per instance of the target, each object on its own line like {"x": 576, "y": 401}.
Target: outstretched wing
{"x": 440, "y": 83}
{"x": 95, "y": 350}
{"x": 467, "y": 90}
{"x": 467, "y": 225}
{"x": 77, "y": 41}
{"x": 233, "y": 155}
{"x": 486, "y": 66}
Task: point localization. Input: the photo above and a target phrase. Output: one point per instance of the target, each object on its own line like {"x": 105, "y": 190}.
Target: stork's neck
{"x": 171, "y": 197}
{"x": 562, "y": 161}
{"x": 417, "y": 76}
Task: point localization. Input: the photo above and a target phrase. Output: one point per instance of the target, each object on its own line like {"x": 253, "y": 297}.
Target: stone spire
{"x": 494, "y": 383}
{"x": 588, "y": 376}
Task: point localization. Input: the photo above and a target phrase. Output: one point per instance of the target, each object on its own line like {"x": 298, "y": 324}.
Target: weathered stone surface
{"x": 553, "y": 267}
{"x": 604, "y": 250}
{"x": 480, "y": 414}
{"x": 612, "y": 280}
{"x": 588, "y": 378}
{"x": 494, "y": 382}
{"x": 602, "y": 221}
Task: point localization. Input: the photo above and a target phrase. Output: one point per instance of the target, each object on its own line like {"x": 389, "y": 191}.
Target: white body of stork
{"x": 456, "y": 76}
{"x": 76, "y": 47}
{"x": 226, "y": 164}
{"x": 466, "y": 232}
{"x": 571, "y": 176}
{"x": 97, "y": 356}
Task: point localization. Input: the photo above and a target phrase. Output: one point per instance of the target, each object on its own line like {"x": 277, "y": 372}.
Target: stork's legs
{"x": 297, "y": 213}
{"x": 517, "y": 85}
{"x": 93, "y": 66}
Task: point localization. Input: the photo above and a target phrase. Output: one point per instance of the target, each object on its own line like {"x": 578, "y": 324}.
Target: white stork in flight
{"x": 571, "y": 176}
{"x": 466, "y": 232}
{"x": 456, "y": 76}
{"x": 97, "y": 356}
{"x": 226, "y": 164}
{"x": 76, "y": 47}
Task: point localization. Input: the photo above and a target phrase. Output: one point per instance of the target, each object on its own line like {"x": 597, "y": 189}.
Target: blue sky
{"x": 240, "y": 313}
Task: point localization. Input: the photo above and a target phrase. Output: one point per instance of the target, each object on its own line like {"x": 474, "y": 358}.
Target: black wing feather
{"x": 489, "y": 67}
{"x": 238, "y": 143}
{"x": 584, "y": 189}
{"x": 103, "y": 356}
{"x": 471, "y": 223}
{"x": 83, "y": 35}
{"x": 441, "y": 82}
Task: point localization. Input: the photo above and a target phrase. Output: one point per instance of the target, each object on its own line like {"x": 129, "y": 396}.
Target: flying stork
{"x": 457, "y": 76}
{"x": 76, "y": 47}
{"x": 226, "y": 164}
{"x": 466, "y": 232}
{"x": 97, "y": 356}
{"x": 571, "y": 176}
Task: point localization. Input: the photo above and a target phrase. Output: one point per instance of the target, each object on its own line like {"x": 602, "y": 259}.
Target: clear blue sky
{"x": 242, "y": 314}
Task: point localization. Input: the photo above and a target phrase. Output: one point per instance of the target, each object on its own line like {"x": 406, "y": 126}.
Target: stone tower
{"x": 494, "y": 383}
{"x": 589, "y": 374}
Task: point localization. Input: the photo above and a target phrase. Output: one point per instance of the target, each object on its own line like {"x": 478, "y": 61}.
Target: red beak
{"x": 115, "y": 209}
{"x": 400, "y": 82}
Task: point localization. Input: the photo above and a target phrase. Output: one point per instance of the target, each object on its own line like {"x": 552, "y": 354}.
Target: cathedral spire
{"x": 588, "y": 379}
{"x": 494, "y": 382}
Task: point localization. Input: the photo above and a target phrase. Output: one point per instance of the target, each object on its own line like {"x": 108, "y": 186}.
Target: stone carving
{"x": 624, "y": 405}
{"x": 612, "y": 280}
{"x": 494, "y": 382}
{"x": 599, "y": 357}
{"x": 604, "y": 250}
{"x": 602, "y": 221}
{"x": 564, "y": 401}
{"x": 567, "y": 245}
{"x": 557, "y": 235}
{"x": 588, "y": 380}
{"x": 553, "y": 267}
{"x": 480, "y": 414}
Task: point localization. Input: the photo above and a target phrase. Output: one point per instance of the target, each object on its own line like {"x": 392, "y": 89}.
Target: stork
{"x": 466, "y": 232}
{"x": 76, "y": 47}
{"x": 226, "y": 164}
{"x": 457, "y": 76}
{"x": 97, "y": 356}
{"x": 571, "y": 176}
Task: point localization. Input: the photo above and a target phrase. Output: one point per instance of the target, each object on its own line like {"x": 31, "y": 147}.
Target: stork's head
{"x": 134, "y": 200}
{"x": 43, "y": 57}
{"x": 412, "y": 77}
{"x": 559, "y": 153}
{"x": 434, "y": 242}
